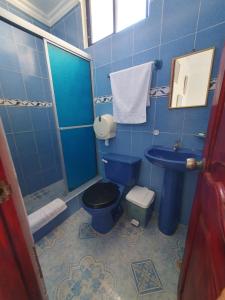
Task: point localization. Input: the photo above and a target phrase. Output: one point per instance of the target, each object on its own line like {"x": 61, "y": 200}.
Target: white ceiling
{"x": 46, "y": 11}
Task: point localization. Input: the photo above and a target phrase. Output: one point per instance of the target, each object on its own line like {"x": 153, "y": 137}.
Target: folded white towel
{"x": 45, "y": 214}
{"x": 130, "y": 90}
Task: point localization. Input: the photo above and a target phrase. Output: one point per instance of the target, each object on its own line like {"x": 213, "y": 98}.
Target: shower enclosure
{"x": 49, "y": 125}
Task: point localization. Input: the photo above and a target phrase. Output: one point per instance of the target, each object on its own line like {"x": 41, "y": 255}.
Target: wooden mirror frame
{"x": 172, "y": 77}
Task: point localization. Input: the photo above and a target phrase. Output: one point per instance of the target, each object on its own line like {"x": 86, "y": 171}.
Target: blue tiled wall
{"x": 31, "y": 132}
{"x": 69, "y": 28}
{"x": 173, "y": 28}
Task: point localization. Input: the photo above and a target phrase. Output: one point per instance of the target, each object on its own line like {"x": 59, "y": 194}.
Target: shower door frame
{"x": 58, "y": 128}
{"x": 50, "y": 38}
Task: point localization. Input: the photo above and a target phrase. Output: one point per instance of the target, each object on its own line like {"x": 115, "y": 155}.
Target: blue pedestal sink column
{"x": 170, "y": 204}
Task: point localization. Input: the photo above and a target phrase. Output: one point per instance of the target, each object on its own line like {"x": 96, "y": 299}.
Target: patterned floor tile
{"x": 72, "y": 265}
{"x": 146, "y": 277}
{"x": 86, "y": 231}
{"x": 89, "y": 280}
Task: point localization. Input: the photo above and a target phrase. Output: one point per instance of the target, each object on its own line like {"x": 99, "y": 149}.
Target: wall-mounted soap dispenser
{"x": 105, "y": 128}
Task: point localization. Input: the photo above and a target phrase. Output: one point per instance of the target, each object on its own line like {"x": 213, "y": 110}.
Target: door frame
{"x": 17, "y": 230}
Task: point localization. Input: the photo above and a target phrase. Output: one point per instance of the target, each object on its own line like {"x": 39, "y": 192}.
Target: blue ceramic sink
{"x": 171, "y": 159}
{"x": 174, "y": 164}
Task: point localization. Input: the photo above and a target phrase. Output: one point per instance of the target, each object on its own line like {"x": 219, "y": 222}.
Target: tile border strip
{"x": 26, "y": 103}
{"x": 162, "y": 91}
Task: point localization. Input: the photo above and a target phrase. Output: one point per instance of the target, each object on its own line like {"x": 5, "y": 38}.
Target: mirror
{"x": 190, "y": 79}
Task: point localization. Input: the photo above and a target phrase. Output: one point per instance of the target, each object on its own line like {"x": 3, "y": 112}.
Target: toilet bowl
{"x": 103, "y": 200}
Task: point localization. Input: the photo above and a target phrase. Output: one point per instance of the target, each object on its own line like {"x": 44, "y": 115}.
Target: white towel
{"x": 130, "y": 90}
{"x": 45, "y": 214}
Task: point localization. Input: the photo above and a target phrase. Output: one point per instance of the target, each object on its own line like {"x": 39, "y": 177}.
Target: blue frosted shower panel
{"x": 71, "y": 76}
{"x": 79, "y": 155}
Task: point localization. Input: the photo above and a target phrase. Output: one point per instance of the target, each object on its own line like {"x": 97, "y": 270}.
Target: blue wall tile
{"x": 212, "y": 37}
{"x": 29, "y": 60}
{"x": 58, "y": 29}
{"x": 34, "y": 87}
{"x": 122, "y": 44}
{"x": 168, "y": 120}
{"x": 43, "y": 139}
{"x": 102, "y": 52}
{"x": 25, "y": 143}
{"x": 6, "y": 30}
{"x": 24, "y": 38}
{"x": 146, "y": 56}
{"x": 170, "y": 51}
{"x": 69, "y": 27}
{"x": 102, "y": 81}
{"x": 147, "y": 32}
{"x": 101, "y": 109}
{"x": 179, "y": 18}
{"x": 8, "y": 57}
{"x": 12, "y": 85}
{"x": 211, "y": 13}
{"x": 5, "y": 119}
{"x": 24, "y": 76}
{"x": 20, "y": 119}
{"x": 27, "y": 166}
{"x": 40, "y": 118}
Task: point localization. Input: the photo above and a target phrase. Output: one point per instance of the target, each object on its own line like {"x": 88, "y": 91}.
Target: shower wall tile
{"x": 8, "y": 58}
{"x": 5, "y": 119}
{"x": 20, "y": 119}
{"x": 69, "y": 28}
{"x": 173, "y": 28}
{"x": 24, "y": 76}
{"x": 12, "y": 85}
{"x": 29, "y": 60}
{"x": 34, "y": 87}
{"x": 24, "y": 38}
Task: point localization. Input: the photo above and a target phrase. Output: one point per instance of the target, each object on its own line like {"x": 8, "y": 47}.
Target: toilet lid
{"x": 101, "y": 195}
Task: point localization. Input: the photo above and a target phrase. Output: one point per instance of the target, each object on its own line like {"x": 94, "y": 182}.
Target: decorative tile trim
{"x": 17, "y": 102}
{"x": 162, "y": 91}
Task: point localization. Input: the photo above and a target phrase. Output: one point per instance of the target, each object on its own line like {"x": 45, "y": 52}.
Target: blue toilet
{"x": 103, "y": 200}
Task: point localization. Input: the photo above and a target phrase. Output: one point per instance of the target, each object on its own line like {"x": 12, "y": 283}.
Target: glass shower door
{"x": 71, "y": 78}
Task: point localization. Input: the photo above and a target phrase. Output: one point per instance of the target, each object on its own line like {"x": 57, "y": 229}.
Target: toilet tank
{"x": 122, "y": 169}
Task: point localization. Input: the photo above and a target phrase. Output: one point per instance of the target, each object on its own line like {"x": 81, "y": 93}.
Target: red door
{"x": 20, "y": 273}
{"x": 203, "y": 270}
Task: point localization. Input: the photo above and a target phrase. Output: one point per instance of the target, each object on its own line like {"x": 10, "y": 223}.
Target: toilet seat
{"x": 101, "y": 195}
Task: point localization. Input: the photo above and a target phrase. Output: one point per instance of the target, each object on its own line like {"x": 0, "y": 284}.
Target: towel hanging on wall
{"x": 130, "y": 90}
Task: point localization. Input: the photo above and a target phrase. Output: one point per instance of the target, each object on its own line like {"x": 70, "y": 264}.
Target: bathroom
{"x": 107, "y": 197}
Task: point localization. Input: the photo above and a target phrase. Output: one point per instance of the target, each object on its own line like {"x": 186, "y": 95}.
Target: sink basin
{"x": 168, "y": 158}
{"x": 174, "y": 163}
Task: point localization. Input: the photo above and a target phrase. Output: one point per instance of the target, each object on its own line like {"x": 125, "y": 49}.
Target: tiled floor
{"x": 44, "y": 196}
{"x": 127, "y": 263}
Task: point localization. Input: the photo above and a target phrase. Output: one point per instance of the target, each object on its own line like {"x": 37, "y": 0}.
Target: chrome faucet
{"x": 177, "y": 145}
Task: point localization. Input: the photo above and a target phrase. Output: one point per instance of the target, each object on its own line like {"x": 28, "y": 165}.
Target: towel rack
{"x": 157, "y": 65}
